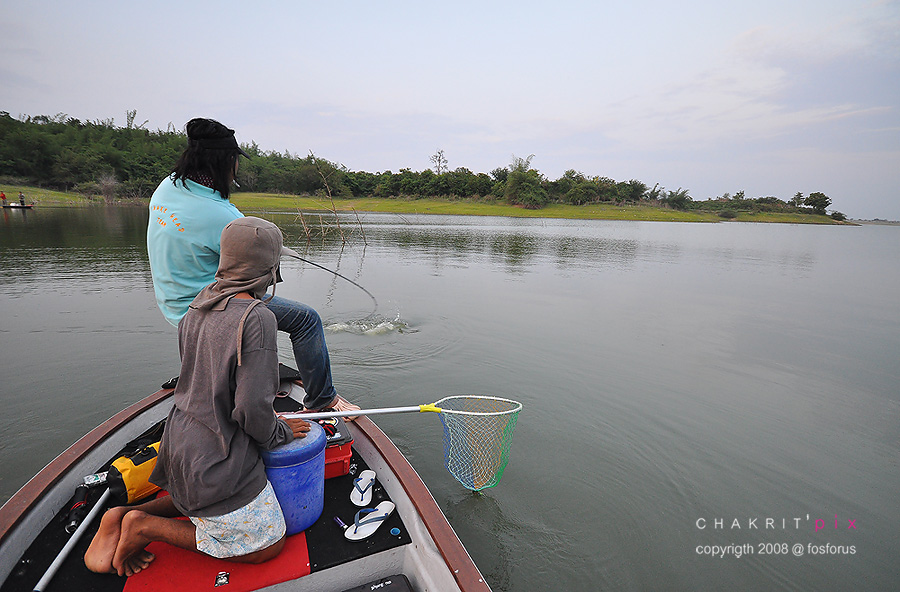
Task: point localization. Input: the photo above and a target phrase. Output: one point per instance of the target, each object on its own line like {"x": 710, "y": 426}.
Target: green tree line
{"x": 65, "y": 153}
{"x": 99, "y": 157}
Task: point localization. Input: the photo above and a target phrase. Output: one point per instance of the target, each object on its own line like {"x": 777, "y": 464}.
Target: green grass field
{"x": 268, "y": 202}
{"x": 278, "y": 203}
{"x": 47, "y": 197}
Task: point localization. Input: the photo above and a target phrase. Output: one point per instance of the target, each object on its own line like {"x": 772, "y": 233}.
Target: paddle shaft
{"x": 330, "y": 414}
{"x": 54, "y": 567}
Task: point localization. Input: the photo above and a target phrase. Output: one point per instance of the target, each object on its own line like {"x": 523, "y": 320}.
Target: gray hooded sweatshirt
{"x": 209, "y": 456}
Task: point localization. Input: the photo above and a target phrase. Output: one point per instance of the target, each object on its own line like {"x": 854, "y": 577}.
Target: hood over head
{"x": 249, "y": 256}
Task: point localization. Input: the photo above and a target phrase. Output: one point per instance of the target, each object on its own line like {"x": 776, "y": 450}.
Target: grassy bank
{"x": 262, "y": 202}
{"x": 47, "y": 197}
{"x": 271, "y": 202}
{"x": 268, "y": 202}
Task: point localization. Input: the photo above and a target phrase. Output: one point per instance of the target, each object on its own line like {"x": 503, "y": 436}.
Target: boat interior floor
{"x": 320, "y": 547}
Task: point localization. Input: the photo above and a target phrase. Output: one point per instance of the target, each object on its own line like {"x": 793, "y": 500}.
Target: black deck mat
{"x": 72, "y": 575}
{"x": 325, "y": 539}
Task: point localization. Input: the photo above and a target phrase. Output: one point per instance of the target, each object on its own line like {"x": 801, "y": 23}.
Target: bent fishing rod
{"x": 295, "y": 255}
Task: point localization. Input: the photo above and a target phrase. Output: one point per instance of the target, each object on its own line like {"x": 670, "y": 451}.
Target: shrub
{"x": 524, "y": 188}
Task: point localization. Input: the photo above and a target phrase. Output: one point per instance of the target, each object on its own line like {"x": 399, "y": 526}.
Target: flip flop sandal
{"x": 364, "y": 528}
{"x": 361, "y": 494}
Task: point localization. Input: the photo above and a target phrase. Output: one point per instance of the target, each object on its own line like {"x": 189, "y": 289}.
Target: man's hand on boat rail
{"x": 298, "y": 426}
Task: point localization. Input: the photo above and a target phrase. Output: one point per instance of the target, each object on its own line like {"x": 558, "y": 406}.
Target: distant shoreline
{"x": 258, "y": 202}
{"x": 877, "y": 222}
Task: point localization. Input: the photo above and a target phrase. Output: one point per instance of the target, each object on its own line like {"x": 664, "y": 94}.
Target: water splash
{"x": 371, "y": 326}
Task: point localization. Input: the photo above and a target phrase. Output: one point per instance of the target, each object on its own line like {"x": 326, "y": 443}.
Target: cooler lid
{"x": 297, "y": 450}
{"x": 336, "y": 431}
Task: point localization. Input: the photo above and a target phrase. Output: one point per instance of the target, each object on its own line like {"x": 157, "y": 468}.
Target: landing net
{"x": 477, "y": 437}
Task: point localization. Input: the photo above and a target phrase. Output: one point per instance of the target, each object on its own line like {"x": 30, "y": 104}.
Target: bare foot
{"x": 131, "y": 542}
{"x": 138, "y": 562}
{"x": 341, "y": 404}
{"x": 99, "y": 556}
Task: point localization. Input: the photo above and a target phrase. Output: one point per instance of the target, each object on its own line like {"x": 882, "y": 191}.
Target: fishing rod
{"x": 295, "y": 255}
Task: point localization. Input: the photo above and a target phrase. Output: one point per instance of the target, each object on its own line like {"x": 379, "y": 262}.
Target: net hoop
{"x": 477, "y": 437}
{"x": 514, "y": 406}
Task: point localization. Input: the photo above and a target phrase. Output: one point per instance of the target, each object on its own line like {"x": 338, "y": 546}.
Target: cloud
{"x": 702, "y": 95}
{"x": 21, "y": 83}
{"x": 767, "y": 84}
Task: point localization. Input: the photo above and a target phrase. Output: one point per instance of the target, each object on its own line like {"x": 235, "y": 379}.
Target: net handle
{"x": 430, "y": 407}
{"x": 357, "y": 412}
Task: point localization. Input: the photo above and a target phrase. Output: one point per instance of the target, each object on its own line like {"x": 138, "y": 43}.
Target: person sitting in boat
{"x": 188, "y": 211}
{"x": 209, "y": 460}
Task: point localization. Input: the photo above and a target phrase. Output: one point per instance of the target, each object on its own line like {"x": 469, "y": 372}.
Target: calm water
{"x": 740, "y": 378}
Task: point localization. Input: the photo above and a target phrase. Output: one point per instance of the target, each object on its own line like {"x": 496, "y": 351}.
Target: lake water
{"x": 706, "y": 406}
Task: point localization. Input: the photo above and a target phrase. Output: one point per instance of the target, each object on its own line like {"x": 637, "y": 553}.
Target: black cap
{"x": 209, "y": 134}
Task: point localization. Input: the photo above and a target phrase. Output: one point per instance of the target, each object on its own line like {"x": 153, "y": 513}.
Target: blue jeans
{"x": 304, "y": 326}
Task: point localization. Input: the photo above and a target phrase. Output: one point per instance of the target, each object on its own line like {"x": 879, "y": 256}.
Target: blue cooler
{"x": 297, "y": 473}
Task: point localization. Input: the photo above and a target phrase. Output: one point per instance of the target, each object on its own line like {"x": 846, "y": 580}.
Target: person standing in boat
{"x": 21, "y": 198}
{"x": 188, "y": 211}
{"x": 209, "y": 458}
{"x": 3, "y": 197}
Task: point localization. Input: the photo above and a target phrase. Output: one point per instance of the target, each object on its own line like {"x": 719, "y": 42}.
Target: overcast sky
{"x": 767, "y": 96}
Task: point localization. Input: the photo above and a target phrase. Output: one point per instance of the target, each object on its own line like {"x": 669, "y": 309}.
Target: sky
{"x": 769, "y": 97}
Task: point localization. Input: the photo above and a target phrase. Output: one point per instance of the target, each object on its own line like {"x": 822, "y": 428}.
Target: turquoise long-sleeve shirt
{"x": 186, "y": 222}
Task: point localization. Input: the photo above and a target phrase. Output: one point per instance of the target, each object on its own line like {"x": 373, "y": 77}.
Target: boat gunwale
{"x": 27, "y": 498}
{"x": 455, "y": 555}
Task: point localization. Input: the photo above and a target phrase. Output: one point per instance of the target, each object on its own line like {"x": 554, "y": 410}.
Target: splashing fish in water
{"x": 370, "y": 326}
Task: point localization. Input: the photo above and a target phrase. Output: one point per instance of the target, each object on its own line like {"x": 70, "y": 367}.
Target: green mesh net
{"x": 477, "y": 437}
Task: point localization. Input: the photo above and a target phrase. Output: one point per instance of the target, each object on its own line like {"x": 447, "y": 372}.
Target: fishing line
{"x": 343, "y": 277}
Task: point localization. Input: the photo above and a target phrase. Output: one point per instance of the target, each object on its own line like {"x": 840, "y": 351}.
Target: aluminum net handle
{"x": 477, "y": 437}
{"x": 477, "y": 434}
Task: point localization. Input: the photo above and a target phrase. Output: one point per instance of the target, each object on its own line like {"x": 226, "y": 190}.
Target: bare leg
{"x": 262, "y": 555}
{"x": 100, "y": 553}
{"x": 138, "y": 529}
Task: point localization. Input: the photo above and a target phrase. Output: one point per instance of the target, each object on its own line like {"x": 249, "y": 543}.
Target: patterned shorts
{"x": 254, "y": 527}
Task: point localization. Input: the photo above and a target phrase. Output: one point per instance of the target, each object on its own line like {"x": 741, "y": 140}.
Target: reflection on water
{"x": 74, "y": 245}
{"x": 515, "y": 248}
{"x": 668, "y": 372}
{"x": 448, "y": 241}
{"x": 481, "y": 513}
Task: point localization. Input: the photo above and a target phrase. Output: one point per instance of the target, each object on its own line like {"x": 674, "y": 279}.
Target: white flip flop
{"x": 361, "y": 494}
{"x": 368, "y": 520}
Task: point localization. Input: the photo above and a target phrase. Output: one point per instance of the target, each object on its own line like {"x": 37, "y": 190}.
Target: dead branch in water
{"x": 330, "y": 196}
{"x": 361, "y": 229}
{"x": 305, "y": 227}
